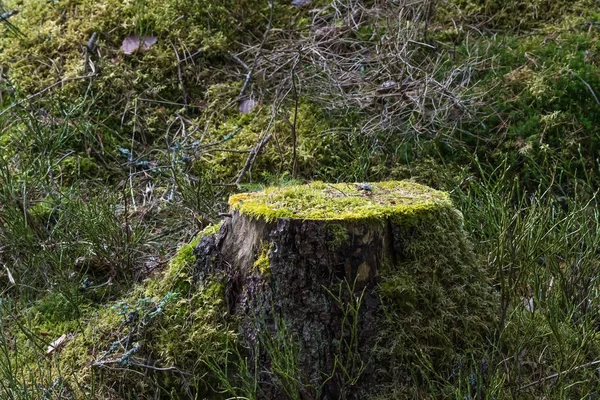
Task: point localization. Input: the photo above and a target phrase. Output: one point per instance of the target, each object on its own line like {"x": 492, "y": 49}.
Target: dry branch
{"x": 373, "y": 59}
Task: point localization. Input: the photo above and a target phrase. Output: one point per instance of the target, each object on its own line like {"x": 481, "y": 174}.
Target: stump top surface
{"x": 340, "y": 201}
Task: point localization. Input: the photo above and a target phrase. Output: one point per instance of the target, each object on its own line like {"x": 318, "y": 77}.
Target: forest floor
{"x": 125, "y": 126}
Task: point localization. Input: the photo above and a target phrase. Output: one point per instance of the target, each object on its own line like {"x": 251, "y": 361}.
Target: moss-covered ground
{"x": 110, "y": 162}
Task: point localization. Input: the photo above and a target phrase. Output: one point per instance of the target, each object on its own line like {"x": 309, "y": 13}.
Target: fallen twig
{"x": 89, "y": 49}
{"x": 252, "y": 157}
{"x": 239, "y": 61}
{"x": 132, "y": 364}
{"x": 33, "y": 96}
{"x": 587, "y": 85}
{"x": 556, "y": 375}
{"x": 191, "y": 56}
{"x": 180, "y": 75}
{"x": 293, "y": 125}
{"x": 250, "y": 71}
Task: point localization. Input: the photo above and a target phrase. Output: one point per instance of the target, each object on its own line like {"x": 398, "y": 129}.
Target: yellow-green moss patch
{"x": 339, "y": 235}
{"x": 178, "y": 275}
{"x": 262, "y": 263}
{"x": 341, "y": 201}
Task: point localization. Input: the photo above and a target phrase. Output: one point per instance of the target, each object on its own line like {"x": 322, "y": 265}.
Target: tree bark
{"x": 308, "y": 295}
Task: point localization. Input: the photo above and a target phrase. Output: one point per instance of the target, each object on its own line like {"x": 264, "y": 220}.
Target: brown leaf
{"x": 131, "y": 44}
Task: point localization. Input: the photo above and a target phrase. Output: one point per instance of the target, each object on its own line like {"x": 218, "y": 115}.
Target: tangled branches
{"x": 374, "y": 60}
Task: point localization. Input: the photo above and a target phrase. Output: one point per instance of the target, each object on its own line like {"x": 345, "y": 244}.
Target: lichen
{"x": 341, "y": 202}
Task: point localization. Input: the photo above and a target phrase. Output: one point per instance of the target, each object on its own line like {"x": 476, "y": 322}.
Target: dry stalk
{"x": 374, "y": 60}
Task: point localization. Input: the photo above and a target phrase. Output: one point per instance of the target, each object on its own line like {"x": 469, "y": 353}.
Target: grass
{"x": 543, "y": 252}
{"x": 540, "y": 248}
{"x": 102, "y": 179}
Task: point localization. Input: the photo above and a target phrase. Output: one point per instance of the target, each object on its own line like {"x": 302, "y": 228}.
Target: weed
{"x": 348, "y": 363}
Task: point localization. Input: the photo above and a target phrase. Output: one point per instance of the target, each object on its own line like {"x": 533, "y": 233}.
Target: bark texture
{"x": 321, "y": 303}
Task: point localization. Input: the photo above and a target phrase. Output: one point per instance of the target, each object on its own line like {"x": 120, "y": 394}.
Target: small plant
{"x": 283, "y": 353}
{"x": 348, "y": 364}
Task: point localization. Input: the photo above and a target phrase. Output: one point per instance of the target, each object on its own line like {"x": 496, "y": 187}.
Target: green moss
{"x": 400, "y": 290}
{"x": 77, "y": 166}
{"x": 185, "y": 255}
{"x": 179, "y": 274}
{"x": 539, "y": 104}
{"x": 343, "y": 201}
{"x": 339, "y": 234}
{"x": 510, "y": 14}
{"x": 437, "y": 300}
{"x": 44, "y": 210}
{"x": 57, "y": 31}
{"x": 167, "y": 319}
{"x": 236, "y": 131}
{"x": 176, "y": 323}
{"x": 262, "y": 263}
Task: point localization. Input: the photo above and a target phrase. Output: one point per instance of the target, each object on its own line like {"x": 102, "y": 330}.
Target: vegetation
{"x": 341, "y": 201}
{"x": 109, "y": 162}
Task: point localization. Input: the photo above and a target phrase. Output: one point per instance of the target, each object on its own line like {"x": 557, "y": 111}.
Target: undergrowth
{"x": 109, "y": 162}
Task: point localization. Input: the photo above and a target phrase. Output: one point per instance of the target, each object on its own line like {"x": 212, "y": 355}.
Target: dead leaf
{"x": 131, "y": 44}
{"x": 247, "y": 105}
{"x": 58, "y": 343}
{"x": 10, "y": 277}
{"x": 528, "y": 303}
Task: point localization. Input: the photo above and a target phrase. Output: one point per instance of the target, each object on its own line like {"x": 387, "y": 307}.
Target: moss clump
{"x": 167, "y": 319}
{"x": 339, "y": 235}
{"x": 179, "y": 274}
{"x": 73, "y": 167}
{"x": 57, "y": 31}
{"x": 437, "y": 301}
{"x": 316, "y": 153}
{"x": 401, "y": 290}
{"x": 510, "y": 14}
{"x": 342, "y": 201}
{"x": 543, "y": 111}
{"x": 262, "y": 263}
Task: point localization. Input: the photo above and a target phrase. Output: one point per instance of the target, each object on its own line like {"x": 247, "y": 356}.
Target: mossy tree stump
{"x": 340, "y": 287}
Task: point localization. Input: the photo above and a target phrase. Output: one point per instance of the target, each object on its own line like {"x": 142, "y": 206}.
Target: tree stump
{"x": 339, "y": 289}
